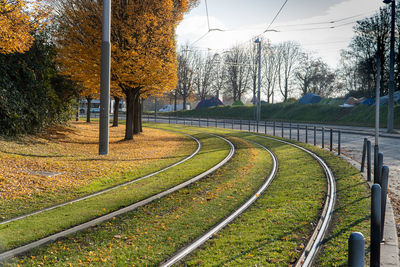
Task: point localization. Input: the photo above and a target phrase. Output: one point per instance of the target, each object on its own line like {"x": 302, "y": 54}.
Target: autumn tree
{"x": 186, "y": 73}
{"x": 143, "y": 59}
{"x": 18, "y": 20}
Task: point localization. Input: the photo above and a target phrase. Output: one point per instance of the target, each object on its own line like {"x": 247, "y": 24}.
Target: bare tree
{"x": 270, "y": 70}
{"x": 204, "y": 68}
{"x": 238, "y": 73}
{"x": 186, "y": 65}
{"x": 289, "y": 56}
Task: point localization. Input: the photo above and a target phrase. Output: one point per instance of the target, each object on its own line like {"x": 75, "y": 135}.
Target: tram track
{"x": 51, "y": 238}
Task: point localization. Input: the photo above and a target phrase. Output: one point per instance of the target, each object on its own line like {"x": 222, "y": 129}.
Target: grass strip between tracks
{"x": 276, "y": 228}
{"x": 352, "y": 210}
{"x": 153, "y": 232}
{"x": 37, "y": 226}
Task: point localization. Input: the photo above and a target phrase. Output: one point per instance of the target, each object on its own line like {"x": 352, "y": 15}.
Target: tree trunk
{"x": 184, "y": 101}
{"x": 175, "y": 96}
{"x": 140, "y": 115}
{"x": 129, "y": 114}
{"x": 136, "y": 107}
{"x": 89, "y": 104}
{"x": 116, "y": 110}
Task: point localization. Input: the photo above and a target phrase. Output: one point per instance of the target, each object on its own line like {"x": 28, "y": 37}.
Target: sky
{"x": 307, "y": 22}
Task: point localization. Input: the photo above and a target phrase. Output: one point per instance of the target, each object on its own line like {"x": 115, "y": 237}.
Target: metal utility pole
{"x": 257, "y": 41}
{"x": 105, "y": 78}
{"x": 391, "y": 74}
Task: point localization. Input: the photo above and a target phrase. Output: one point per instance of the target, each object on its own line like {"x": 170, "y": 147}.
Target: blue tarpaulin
{"x": 213, "y": 101}
{"x": 310, "y": 98}
{"x": 369, "y": 102}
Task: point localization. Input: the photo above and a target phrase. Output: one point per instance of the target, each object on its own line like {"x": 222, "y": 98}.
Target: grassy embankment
{"x": 361, "y": 115}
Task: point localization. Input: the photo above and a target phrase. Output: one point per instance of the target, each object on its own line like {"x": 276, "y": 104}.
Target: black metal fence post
{"x": 169, "y": 119}
{"x": 282, "y": 134}
{"x": 356, "y": 250}
{"x": 233, "y": 121}
{"x": 199, "y": 122}
{"x": 364, "y": 151}
{"x": 265, "y": 127}
{"x": 257, "y": 126}
{"x": 306, "y": 134}
{"x": 315, "y": 135}
{"x": 273, "y": 129}
{"x": 298, "y": 132}
{"x": 368, "y": 160}
{"x": 240, "y": 124}
{"x": 207, "y": 122}
{"x": 223, "y": 123}
{"x": 290, "y": 130}
{"x": 339, "y": 141}
{"x": 375, "y": 225}
{"x": 384, "y": 187}
{"x": 216, "y": 123}
{"x": 331, "y": 140}
{"x": 249, "y": 125}
{"x": 323, "y": 137}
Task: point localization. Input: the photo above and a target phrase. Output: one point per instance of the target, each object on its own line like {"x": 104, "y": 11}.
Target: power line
{"x": 276, "y": 16}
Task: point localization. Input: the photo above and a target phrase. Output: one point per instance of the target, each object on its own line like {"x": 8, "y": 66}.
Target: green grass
{"x": 361, "y": 115}
{"x": 20, "y": 232}
{"x": 15, "y": 207}
{"x": 276, "y": 228}
{"x": 352, "y": 210}
{"x": 153, "y": 232}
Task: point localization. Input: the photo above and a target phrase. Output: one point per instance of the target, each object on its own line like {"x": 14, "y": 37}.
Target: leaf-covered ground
{"x": 66, "y": 160}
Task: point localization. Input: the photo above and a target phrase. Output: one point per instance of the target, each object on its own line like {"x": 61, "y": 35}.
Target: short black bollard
{"x": 249, "y": 125}
{"x": 368, "y": 160}
{"x": 378, "y": 178}
{"x": 376, "y": 162}
{"x": 364, "y": 151}
{"x": 339, "y": 142}
{"x": 184, "y": 121}
{"x": 282, "y": 134}
{"x": 223, "y": 123}
{"x": 207, "y": 121}
{"x": 216, "y": 123}
{"x": 323, "y": 137}
{"x": 257, "y": 126}
{"x": 375, "y": 226}
{"x": 169, "y": 119}
{"x": 273, "y": 132}
{"x": 306, "y": 134}
{"x": 298, "y": 132}
{"x": 232, "y": 123}
{"x": 331, "y": 140}
{"x": 384, "y": 187}
{"x": 240, "y": 124}
{"x": 356, "y": 250}
{"x": 199, "y": 122}
{"x": 290, "y": 130}
{"x": 315, "y": 135}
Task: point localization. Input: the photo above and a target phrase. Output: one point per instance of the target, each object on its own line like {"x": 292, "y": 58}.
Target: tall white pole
{"x": 105, "y": 78}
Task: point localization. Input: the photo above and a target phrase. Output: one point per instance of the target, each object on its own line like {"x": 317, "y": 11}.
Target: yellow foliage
{"x": 18, "y": 19}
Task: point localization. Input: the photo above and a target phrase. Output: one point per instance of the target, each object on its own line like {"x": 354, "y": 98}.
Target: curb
{"x": 390, "y": 248}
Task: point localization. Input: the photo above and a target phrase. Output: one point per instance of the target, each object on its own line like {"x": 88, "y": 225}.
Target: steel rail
{"x": 199, "y": 241}
{"x": 25, "y": 248}
{"x": 314, "y": 243}
{"x": 110, "y": 188}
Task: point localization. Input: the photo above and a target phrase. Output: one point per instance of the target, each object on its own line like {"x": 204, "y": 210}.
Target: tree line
{"x": 286, "y": 70}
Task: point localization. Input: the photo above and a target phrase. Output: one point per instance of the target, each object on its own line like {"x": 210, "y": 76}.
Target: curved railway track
{"x": 26, "y": 248}
{"x": 313, "y": 245}
{"x": 110, "y": 188}
{"x": 199, "y": 241}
